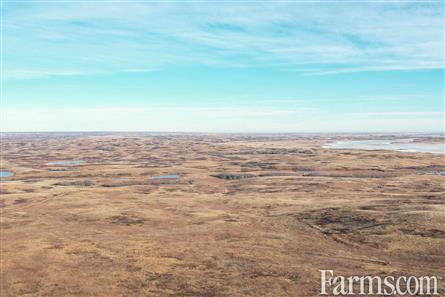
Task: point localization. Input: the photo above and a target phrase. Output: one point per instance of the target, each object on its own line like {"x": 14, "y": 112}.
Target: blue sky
{"x": 228, "y": 67}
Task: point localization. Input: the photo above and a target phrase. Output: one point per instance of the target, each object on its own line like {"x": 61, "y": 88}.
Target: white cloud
{"x": 401, "y": 113}
{"x": 325, "y": 38}
{"x": 164, "y": 118}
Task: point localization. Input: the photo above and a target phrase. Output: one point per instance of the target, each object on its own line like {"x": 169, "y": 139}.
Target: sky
{"x": 225, "y": 66}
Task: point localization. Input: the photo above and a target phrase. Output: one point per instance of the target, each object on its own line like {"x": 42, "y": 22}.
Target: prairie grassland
{"x": 249, "y": 215}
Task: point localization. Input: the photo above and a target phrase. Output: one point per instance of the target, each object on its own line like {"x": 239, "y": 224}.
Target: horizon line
{"x": 219, "y": 132}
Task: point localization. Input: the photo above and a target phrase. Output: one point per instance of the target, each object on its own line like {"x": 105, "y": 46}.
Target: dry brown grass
{"x": 250, "y": 216}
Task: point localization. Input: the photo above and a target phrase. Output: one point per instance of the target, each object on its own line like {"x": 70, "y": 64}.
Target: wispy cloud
{"x": 168, "y": 111}
{"x": 42, "y": 73}
{"x": 151, "y": 118}
{"x": 46, "y": 39}
{"x": 208, "y": 119}
{"x": 400, "y": 113}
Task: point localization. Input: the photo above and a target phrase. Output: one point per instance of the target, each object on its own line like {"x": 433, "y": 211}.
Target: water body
{"x": 441, "y": 173}
{"x": 402, "y": 145}
{"x": 66, "y": 163}
{"x": 170, "y": 176}
{"x": 6, "y": 173}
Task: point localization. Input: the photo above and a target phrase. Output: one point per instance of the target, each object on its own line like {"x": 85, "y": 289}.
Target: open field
{"x": 248, "y": 216}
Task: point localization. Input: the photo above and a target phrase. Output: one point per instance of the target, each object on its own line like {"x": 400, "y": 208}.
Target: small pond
{"x": 66, "y": 163}
{"x": 169, "y": 176}
{"x": 6, "y": 173}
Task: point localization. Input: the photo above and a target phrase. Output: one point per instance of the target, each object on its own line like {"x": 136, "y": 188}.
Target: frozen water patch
{"x": 67, "y": 163}
{"x": 402, "y": 145}
{"x": 168, "y": 176}
{"x": 6, "y": 173}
